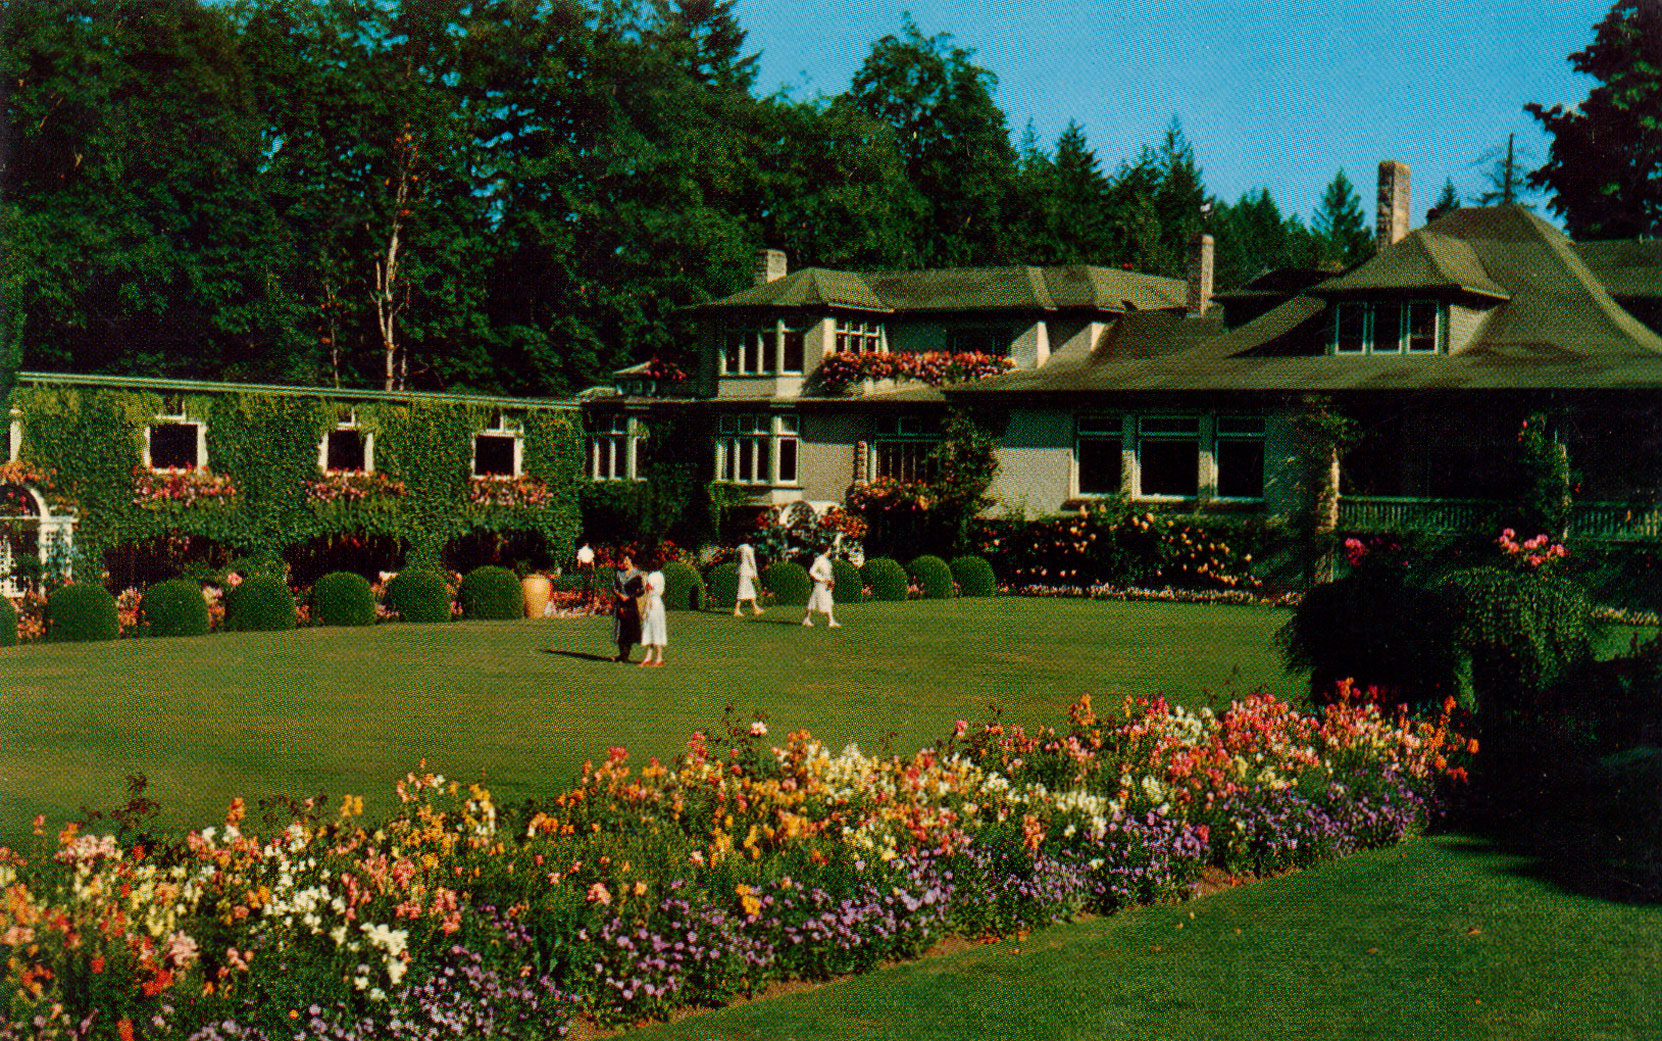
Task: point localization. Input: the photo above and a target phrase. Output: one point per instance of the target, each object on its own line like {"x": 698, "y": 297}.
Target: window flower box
{"x": 842, "y": 370}
{"x": 509, "y": 492}
{"x": 352, "y": 486}
{"x": 160, "y": 489}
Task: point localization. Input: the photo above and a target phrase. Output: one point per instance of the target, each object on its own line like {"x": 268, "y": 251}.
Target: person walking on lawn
{"x": 747, "y": 581}
{"x": 825, "y": 580}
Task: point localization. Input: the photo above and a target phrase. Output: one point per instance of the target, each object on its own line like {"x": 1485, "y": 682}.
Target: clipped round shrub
{"x": 343, "y": 598}
{"x": 886, "y": 578}
{"x": 683, "y": 587}
{"x": 81, "y": 612}
{"x": 491, "y": 593}
{"x": 174, "y": 608}
{"x": 850, "y": 586}
{"x": 8, "y": 623}
{"x": 788, "y": 582}
{"x": 974, "y": 576}
{"x": 722, "y": 586}
{"x": 933, "y": 577}
{"x": 419, "y": 596}
{"x": 259, "y": 604}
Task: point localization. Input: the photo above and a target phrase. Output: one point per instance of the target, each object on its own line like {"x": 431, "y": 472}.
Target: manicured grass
{"x": 1441, "y": 938}
{"x": 525, "y": 703}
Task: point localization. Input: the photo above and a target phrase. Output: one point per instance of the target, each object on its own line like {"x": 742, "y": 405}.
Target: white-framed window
{"x": 1097, "y": 454}
{"x": 498, "y": 450}
{"x": 859, "y": 337}
{"x": 174, "y": 441}
{"x": 756, "y": 448}
{"x": 761, "y": 350}
{"x": 1238, "y": 454}
{"x": 348, "y": 448}
{"x": 1168, "y": 457}
{"x": 905, "y": 451}
{"x": 1389, "y": 327}
{"x": 614, "y": 449}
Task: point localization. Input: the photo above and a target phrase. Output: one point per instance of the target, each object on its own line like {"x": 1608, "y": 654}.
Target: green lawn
{"x": 1441, "y": 938}
{"x": 337, "y": 710}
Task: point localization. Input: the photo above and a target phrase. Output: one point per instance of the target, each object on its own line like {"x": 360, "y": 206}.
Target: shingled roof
{"x": 1547, "y": 322}
{"x": 1014, "y": 288}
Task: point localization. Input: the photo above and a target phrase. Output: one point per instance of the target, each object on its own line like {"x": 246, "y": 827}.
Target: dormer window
{"x": 1389, "y": 327}
{"x": 752, "y": 351}
{"x": 497, "y": 450}
{"x": 347, "y": 448}
{"x": 1424, "y": 326}
{"x": 859, "y": 337}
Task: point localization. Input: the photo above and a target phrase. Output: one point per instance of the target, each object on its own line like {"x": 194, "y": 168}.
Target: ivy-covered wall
{"x": 266, "y": 491}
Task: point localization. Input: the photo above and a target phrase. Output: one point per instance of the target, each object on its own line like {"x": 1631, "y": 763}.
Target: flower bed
{"x": 931, "y": 367}
{"x": 1166, "y": 595}
{"x": 352, "y": 486}
{"x": 639, "y": 892}
{"x": 158, "y": 489}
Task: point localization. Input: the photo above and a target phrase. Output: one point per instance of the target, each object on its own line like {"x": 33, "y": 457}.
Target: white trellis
{"x": 28, "y": 519}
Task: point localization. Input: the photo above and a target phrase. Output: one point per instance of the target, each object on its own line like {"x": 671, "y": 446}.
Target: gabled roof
{"x": 940, "y": 290}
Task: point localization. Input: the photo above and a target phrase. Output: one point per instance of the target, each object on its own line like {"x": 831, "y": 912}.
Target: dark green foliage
{"x": 964, "y": 464}
{"x": 491, "y": 593}
{"x": 82, "y": 611}
{"x": 683, "y": 588}
{"x": 1342, "y": 235}
{"x": 8, "y": 623}
{"x": 886, "y": 578}
{"x": 850, "y": 586}
{"x": 419, "y": 596}
{"x": 262, "y": 603}
{"x": 788, "y": 582}
{"x": 343, "y": 598}
{"x": 974, "y": 576}
{"x": 1525, "y": 631}
{"x": 932, "y": 576}
{"x": 1541, "y": 482}
{"x": 723, "y": 586}
{"x": 1112, "y": 544}
{"x": 174, "y": 608}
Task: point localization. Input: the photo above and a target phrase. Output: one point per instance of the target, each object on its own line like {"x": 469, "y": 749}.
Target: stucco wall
{"x": 825, "y": 454}
{"x": 1035, "y": 463}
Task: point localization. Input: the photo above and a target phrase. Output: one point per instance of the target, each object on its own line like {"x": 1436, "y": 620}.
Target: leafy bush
{"x": 850, "y": 586}
{"x": 491, "y": 593}
{"x": 683, "y": 588}
{"x": 343, "y": 598}
{"x": 174, "y": 608}
{"x": 932, "y": 576}
{"x": 974, "y": 576}
{"x": 82, "y": 611}
{"x": 1525, "y": 629}
{"x": 8, "y": 623}
{"x": 886, "y": 578}
{"x": 259, "y": 604}
{"x": 419, "y": 596}
{"x": 788, "y": 582}
{"x": 723, "y": 585}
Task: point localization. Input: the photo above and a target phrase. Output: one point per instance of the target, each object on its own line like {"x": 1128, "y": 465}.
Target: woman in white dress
{"x": 747, "y": 581}
{"x": 654, "y": 630}
{"x": 825, "y": 580}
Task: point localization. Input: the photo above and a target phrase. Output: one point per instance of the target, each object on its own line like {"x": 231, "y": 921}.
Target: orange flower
{"x": 124, "y": 1028}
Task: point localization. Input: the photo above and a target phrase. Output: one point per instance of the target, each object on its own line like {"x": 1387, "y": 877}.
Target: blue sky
{"x": 1279, "y": 95}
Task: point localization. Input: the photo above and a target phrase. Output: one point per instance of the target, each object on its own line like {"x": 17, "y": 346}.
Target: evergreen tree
{"x": 1181, "y": 204}
{"x": 1446, "y": 203}
{"x": 1342, "y": 236}
{"x": 1505, "y": 176}
{"x": 1604, "y": 169}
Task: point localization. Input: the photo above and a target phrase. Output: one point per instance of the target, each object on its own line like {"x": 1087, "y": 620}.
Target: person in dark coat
{"x": 627, "y": 586}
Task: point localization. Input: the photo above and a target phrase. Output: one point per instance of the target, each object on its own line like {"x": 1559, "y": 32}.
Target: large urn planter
{"x": 536, "y": 589}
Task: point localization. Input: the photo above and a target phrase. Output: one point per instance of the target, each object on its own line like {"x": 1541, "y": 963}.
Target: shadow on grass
{"x": 581, "y": 655}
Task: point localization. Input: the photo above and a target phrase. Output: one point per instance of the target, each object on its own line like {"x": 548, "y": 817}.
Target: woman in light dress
{"x": 825, "y": 580}
{"x": 747, "y": 581}
{"x": 654, "y": 630}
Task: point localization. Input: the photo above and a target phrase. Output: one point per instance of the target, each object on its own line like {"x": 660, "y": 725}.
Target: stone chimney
{"x": 1200, "y": 273}
{"x": 770, "y": 266}
{"x": 1393, "y": 217}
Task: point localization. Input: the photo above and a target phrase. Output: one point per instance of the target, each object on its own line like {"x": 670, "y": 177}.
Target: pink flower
{"x": 599, "y": 894}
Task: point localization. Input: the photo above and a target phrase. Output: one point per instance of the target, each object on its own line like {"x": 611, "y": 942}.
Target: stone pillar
{"x": 1392, "y": 217}
{"x": 1200, "y": 273}
{"x": 770, "y": 266}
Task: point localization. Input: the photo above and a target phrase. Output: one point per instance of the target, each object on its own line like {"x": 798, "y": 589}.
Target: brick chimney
{"x": 1200, "y": 273}
{"x": 770, "y": 266}
{"x": 1393, "y": 217}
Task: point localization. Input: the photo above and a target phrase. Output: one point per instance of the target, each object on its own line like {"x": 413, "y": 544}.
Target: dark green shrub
{"x": 723, "y": 586}
{"x": 933, "y": 577}
{"x": 80, "y": 612}
{"x": 419, "y": 596}
{"x": 174, "y": 608}
{"x": 491, "y": 593}
{"x": 259, "y": 604}
{"x": 851, "y": 588}
{"x": 683, "y": 587}
{"x": 1524, "y": 630}
{"x": 886, "y": 578}
{"x": 343, "y": 598}
{"x": 8, "y": 623}
{"x": 788, "y": 582}
{"x": 974, "y": 576}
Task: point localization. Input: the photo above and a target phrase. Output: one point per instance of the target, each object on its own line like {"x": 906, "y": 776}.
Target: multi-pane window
{"x": 1097, "y": 453}
{"x": 1238, "y": 452}
{"x": 1424, "y": 333}
{"x": 1350, "y": 328}
{"x": 906, "y": 451}
{"x": 347, "y": 448}
{"x": 496, "y": 449}
{"x": 980, "y": 340}
{"x": 756, "y": 351}
{"x": 859, "y": 337}
{"x": 1168, "y": 456}
{"x": 612, "y": 449}
{"x": 755, "y": 448}
{"x": 1388, "y": 327}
